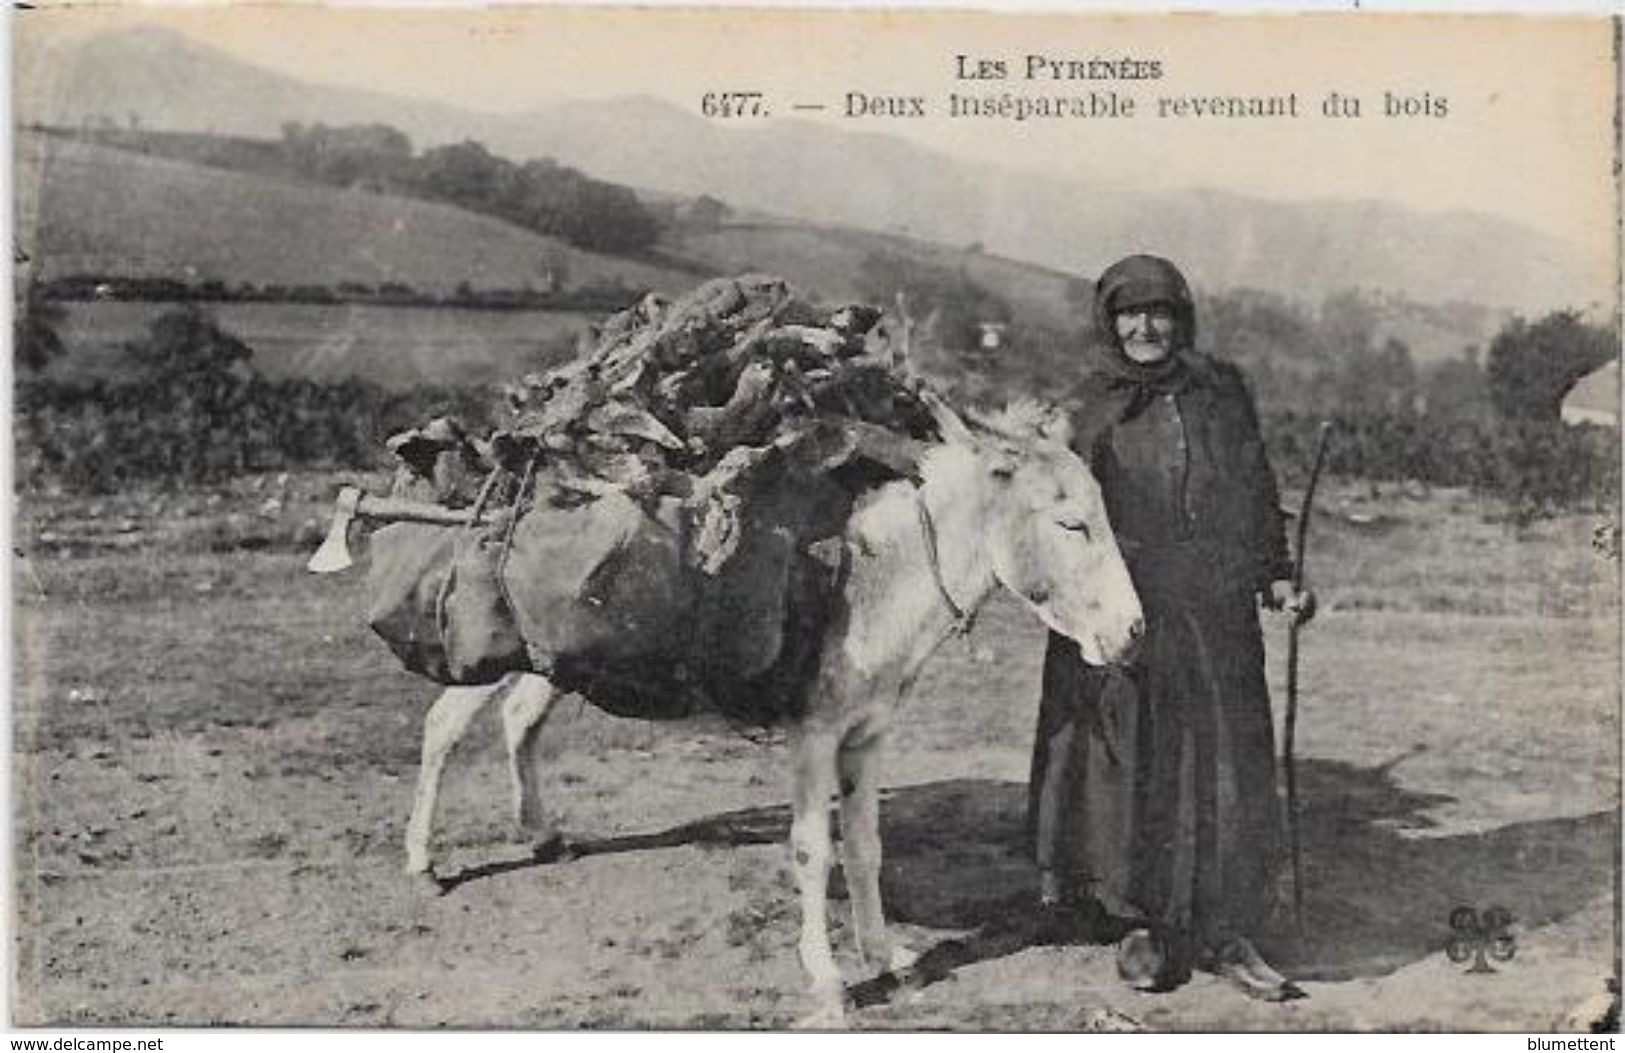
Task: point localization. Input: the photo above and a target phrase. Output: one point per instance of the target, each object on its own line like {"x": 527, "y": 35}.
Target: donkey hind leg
{"x": 859, "y": 764}
{"x": 443, "y": 728}
{"x": 524, "y": 712}
{"x": 811, "y": 851}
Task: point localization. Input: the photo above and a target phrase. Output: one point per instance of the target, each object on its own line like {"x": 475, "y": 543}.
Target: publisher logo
{"x": 1479, "y": 936}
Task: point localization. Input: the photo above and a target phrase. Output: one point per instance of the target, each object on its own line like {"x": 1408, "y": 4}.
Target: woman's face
{"x": 1146, "y": 333}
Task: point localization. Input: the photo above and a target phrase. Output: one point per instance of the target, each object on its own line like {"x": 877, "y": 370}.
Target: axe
{"x": 334, "y": 555}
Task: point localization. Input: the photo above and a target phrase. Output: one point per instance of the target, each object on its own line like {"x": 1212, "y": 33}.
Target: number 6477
{"x": 733, "y": 104}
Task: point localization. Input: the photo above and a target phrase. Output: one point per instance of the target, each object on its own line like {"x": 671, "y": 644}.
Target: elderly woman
{"x": 1153, "y": 802}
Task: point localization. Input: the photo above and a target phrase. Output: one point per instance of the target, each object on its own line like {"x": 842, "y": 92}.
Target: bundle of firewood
{"x": 668, "y": 393}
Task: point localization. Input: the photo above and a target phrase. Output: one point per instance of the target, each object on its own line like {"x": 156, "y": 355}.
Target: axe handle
{"x": 334, "y": 555}
{"x": 397, "y": 510}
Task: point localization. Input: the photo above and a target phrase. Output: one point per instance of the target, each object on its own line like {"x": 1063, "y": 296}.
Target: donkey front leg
{"x": 859, "y": 763}
{"x": 443, "y": 728}
{"x": 811, "y": 849}
{"x": 524, "y": 712}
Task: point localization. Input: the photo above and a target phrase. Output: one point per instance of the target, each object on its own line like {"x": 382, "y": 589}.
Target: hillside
{"x": 109, "y": 212}
{"x": 92, "y": 209}
{"x": 826, "y": 262}
{"x": 175, "y": 83}
{"x": 89, "y": 209}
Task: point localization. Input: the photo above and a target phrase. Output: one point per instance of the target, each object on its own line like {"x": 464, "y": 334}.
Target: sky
{"x": 1527, "y": 131}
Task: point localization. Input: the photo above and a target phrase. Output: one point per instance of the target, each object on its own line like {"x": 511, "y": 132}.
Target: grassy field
{"x": 96, "y": 210}
{"x": 213, "y": 762}
{"x": 397, "y": 347}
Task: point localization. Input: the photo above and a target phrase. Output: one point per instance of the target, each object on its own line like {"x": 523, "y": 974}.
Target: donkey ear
{"x": 1002, "y": 464}
{"x": 416, "y": 450}
{"x": 1056, "y": 426}
{"x": 948, "y": 422}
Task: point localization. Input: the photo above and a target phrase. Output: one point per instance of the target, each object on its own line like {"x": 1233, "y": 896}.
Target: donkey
{"x": 1000, "y": 503}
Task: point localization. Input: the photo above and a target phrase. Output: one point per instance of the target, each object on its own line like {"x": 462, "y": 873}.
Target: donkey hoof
{"x": 827, "y": 995}
{"x": 826, "y": 1017}
{"x": 426, "y": 883}
{"x": 902, "y": 961}
{"x": 555, "y": 848}
{"x": 891, "y": 960}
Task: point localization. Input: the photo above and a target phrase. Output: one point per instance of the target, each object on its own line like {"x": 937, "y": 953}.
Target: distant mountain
{"x": 1301, "y": 248}
{"x": 166, "y": 80}
{"x": 1304, "y": 249}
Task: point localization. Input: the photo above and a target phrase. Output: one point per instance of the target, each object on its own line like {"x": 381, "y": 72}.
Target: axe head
{"x": 334, "y": 555}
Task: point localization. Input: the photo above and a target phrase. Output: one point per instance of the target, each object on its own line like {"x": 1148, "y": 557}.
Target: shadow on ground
{"x": 1379, "y": 883}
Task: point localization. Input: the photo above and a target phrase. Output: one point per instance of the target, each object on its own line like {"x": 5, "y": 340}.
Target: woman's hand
{"x": 1284, "y": 596}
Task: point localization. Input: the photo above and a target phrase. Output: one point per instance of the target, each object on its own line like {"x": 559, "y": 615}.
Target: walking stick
{"x": 1288, "y": 759}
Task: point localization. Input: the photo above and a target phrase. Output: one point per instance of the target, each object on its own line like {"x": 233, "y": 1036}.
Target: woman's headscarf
{"x": 1140, "y": 281}
{"x": 1117, "y": 388}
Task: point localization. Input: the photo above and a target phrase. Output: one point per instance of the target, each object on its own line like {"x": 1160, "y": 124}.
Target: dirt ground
{"x": 213, "y": 762}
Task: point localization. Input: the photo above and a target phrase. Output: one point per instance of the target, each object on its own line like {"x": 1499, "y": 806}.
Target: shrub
{"x": 198, "y": 413}
{"x": 1533, "y": 366}
{"x": 35, "y": 342}
{"x": 1537, "y": 467}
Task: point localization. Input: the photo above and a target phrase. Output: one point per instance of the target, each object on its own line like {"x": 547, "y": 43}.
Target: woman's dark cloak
{"x": 1153, "y": 786}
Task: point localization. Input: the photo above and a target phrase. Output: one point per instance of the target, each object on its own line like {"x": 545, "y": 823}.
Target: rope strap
{"x": 962, "y": 619}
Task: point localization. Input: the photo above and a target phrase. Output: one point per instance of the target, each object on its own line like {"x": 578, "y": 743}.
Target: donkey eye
{"x": 1075, "y": 525}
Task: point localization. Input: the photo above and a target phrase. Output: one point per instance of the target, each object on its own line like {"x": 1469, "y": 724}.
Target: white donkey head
{"x": 1046, "y": 533}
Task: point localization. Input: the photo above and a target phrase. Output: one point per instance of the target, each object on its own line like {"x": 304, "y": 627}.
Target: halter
{"x": 963, "y": 619}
